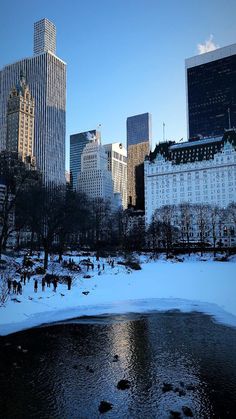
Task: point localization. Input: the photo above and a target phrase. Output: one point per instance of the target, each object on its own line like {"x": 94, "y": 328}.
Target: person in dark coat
{"x": 48, "y": 281}
{"x": 43, "y": 284}
{"x": 103, "y": 266}
{"x": 28, "y": 276}
{"x": 35, "y": 285}
{"x": 24, "y": 276}
{"x": 19, "y": 288}
{"x": 54, "y": 285}
{"x": 21, "y": 277}
{"x": 9, "y": 285}
{"x": 69, "y": 282}
{"x": 99, "y": 266}
{"x": 14, "y": 286}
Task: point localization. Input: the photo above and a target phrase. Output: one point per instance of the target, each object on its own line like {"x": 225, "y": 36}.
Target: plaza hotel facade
{"x": 197, "y": 172}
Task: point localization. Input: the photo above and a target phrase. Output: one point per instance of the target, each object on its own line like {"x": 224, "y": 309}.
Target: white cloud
{"x": 209, "y": 45}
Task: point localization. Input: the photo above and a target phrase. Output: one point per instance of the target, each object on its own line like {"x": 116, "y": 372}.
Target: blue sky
{"x": 124, "y": 57}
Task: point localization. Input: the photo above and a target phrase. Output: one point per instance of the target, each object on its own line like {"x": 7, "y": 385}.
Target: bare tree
{"x": 185, "y": 223}
{"x": 15, "y": 177}
{"x": 202, "y": 220}
{"x": 169, "y": 232}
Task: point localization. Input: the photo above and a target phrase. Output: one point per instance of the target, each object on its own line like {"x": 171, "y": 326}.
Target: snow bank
{"x": 208, "y": 287}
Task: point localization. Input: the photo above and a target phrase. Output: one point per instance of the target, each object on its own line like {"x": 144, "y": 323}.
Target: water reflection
{"x": 171, "y": 359}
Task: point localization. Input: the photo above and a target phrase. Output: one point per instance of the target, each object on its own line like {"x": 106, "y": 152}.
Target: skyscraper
{"x": 211, "y": 92}
{"x": 117, "y": 164}
{"x": 20, "y": 121}
{"x": 139, "y": 135}
{"x": 95, "y": 179}
{"x": 46, "y": 77}
{"x": 139, "y": 129}
{"x": 44, "y": 37}
{"x": 77, "y": 144}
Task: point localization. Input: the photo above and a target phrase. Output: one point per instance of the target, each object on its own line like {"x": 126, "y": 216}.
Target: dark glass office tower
{"x": 139, "y": 129}
{"x": 77, "y": 144}
{"x": 211, "y": 92}
{"x": 139, "y": 135}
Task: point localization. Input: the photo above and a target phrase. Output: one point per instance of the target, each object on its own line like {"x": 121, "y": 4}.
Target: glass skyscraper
{"x": 139, "y": 129}
{"x": 211, "y": 92}
{"x": 139, "y": 136}
{"x": 77, "y": 145}
{"x": 45, "y": 74}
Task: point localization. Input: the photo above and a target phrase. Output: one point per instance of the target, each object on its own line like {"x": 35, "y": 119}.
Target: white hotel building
{"x": 198, "y": 171}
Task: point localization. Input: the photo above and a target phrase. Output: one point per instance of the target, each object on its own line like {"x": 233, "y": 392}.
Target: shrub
{"x": 131, "y": 264}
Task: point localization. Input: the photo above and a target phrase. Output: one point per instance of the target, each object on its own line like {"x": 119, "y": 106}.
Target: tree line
{"x": 56, "y": 218}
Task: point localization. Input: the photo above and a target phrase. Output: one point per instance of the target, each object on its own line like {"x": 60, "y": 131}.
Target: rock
{"x": 62, "y": 295}
{"x": 123, "y": 385}
{"x": 85, "y": 292}
{"x": 175, "y": 414}
{"x": 167, "y": 387}
{"x": 87, "y": 276}
{"x": 104, "y": 406}
{"x": 187, "y": 411}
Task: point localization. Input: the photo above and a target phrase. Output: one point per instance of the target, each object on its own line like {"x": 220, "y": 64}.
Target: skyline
{"x": 128, "y": 72}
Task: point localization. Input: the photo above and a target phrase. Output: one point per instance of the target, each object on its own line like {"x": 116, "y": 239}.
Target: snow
{"x": 193, "y": 285}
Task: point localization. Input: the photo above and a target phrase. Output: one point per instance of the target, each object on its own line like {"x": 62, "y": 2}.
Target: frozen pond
{"x": 177, "y": 364}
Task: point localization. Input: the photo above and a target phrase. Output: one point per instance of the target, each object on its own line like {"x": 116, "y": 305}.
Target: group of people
{"x": 14, "y": 286}
{"x": 25, "y": 274}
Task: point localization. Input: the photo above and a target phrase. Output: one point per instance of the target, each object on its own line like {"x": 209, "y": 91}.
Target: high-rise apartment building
{"x": 44, "y": 37}
{"x": 139, "y": 135}
{"x": 211, "y": 92}
{"x": 46, "y": 77}
{"x": 77, "y": 144}
{"x": 95, "y": 179}
{"x": 20, "y": 121}
{"x": 117, "y": 164}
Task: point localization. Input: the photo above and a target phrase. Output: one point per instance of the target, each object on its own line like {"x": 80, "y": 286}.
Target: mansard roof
{"x": 191, "y": 151}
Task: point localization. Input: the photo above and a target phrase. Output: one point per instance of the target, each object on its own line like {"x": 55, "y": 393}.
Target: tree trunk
{"x": 31, "y": 242}
{"x": 46, "y": 253}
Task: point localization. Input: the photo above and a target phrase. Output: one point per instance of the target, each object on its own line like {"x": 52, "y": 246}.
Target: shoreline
{"x": 136, "y": 307}
{"x": 207, "y": 287}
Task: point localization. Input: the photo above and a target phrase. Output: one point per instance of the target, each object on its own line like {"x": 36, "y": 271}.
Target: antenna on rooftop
{"x": 164, "y": 125}
{"x": 229, "y": 118}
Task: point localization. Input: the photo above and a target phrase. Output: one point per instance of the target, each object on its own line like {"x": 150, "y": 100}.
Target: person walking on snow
{"x": 43, "y": 284}
{"x": 14, "y": 286}
{"x": 19, "y": 288}
{"x": 35, "y": 285}
{"x": 55, "y": 285}
{"x": 69, "y": 282}
{"x": 9, "y": 285}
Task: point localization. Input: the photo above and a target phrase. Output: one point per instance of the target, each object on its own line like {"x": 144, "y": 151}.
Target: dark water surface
{"x": 171, "y": 360}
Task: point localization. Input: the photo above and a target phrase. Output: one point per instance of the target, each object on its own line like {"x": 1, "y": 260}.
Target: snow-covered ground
{"x": 194, "y": 285}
